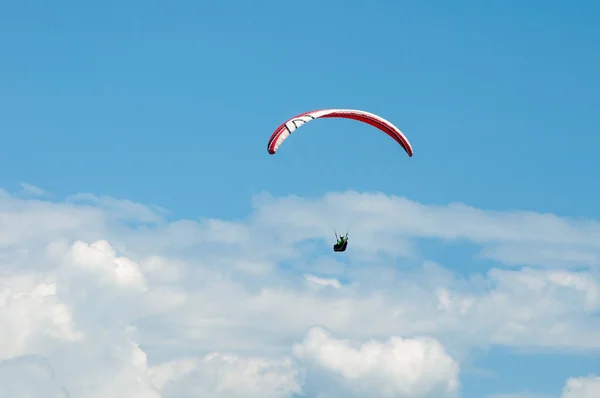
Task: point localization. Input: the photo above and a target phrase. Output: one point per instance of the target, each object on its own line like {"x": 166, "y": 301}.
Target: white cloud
{"x": 29, "y": 376}
{"x": 32, "y": 190}
{"x": 582, "y": 387}
{"x": 29, "y": 309}
{"x": 117, "y": 300}
{"x": 227, "y": 376}
{"x": 385, "y": 223}
{"x": 399, "y": 367}
{"x": 323, "y": 282}
{"x": 121, "y": 208}
{"x": 100, "y": 258}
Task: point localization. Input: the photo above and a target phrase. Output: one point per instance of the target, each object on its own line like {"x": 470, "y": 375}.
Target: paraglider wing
{"x": 291, "y": 125}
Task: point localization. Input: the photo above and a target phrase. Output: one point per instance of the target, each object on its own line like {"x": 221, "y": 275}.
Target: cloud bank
{"x": 106, "y": 297}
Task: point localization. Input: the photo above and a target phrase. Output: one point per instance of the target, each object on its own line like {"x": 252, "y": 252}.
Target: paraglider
{"x": 341, "y": 244}
{"x": 288, "y": 127}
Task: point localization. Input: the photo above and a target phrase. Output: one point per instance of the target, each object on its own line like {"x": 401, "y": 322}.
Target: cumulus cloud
{"x": 29, "y": 376}
{"x": 106, "y": 297}
{"x": 227, "y": 376}
{"x": 575, "y": 387}
{"x": 398, "y": 367}
{"x": 582, "y": 387}
{"x": 386, "y": 224}
{"x": 30, "y": 311}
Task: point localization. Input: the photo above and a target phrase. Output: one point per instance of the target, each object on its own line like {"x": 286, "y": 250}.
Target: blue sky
{"x": 173, "y": 93}
{"x": 172, "y": 104}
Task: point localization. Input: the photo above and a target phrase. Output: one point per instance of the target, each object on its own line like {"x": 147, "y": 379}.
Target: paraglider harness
{"x": 342, "y": 243}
